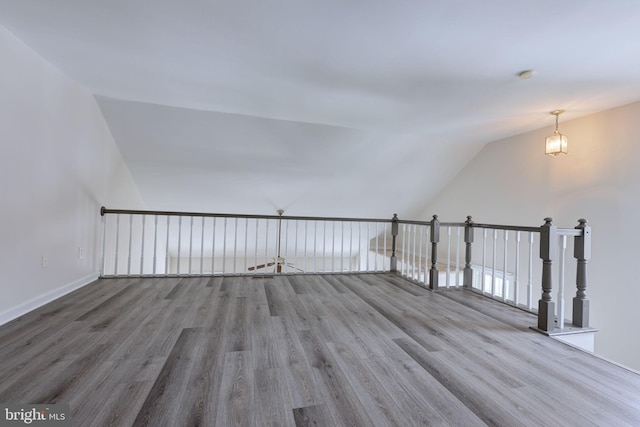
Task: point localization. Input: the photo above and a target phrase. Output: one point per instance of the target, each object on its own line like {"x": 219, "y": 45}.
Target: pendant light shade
{"x": 556, "y": 143}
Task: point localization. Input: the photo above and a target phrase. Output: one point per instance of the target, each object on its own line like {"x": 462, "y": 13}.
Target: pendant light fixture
{"x": 556, "y": 143}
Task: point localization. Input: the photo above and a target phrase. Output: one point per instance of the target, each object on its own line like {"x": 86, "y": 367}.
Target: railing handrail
{"x": 104, "y": 211}
{"x": 505, "y": 227}
{"x": 428, "y": 223}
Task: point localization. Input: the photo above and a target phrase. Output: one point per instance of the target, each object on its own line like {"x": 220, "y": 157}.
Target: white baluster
{"x": 202, "y": 246}
{"x": 384, "y": 258}
{"x": 505, "y": 290}
{"x": 420, "y": 270}
{"x": 375, "y": 259}
{"x": 255, "y": 251}
{"x": 266, "y": 244}
{"x": 130, "y": 241}
{"x": 179, "y": 243}
{"x": 448, "y": 276}
{"x": 530, "y": 281}
{"x": 295, "y": 246}
{"x": 213, "y": 246}
{"x": 235, "y": 244}
{"x": 166, "y": 253}
{"x": 560, "y": 310}
{"x": 286, "y": 247}
{"x": 224, "y": 246}
{"x": 324, "y": 245}
{"x": 117, "y": 243}
{"x": 368, "y": 242}
{"x": 342, "y": 246}
{"x": 142, "y": 245}
{"x": 246, "y": 244}
{"x": 404, "y": 244}
{"x": 333, "y": 246}
{"x": 516, "y": 284}
{"x": 315, "y": 244}
{"x": 427, "y": 246}
{"x": 493, "y": 273}
{"x": 484, "y": 259}
{"x": 306, "y": 224}
{"x": 105, "y": 224}
{"x": 190, "y": 244}
{"x": 458, "y": 256}
{"x": 155, "y": 242}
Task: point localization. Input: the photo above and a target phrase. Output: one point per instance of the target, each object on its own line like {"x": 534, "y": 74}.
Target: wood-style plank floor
{"x": 334, "y": 350}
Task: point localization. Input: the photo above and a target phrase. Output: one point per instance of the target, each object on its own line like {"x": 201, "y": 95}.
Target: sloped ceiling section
{"x": 327, "y": 108}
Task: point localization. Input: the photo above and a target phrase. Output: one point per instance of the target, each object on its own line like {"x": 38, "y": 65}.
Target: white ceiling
{"x": 359, "y": 108}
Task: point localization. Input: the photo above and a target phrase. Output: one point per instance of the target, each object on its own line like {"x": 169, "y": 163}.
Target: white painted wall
{"x": 58, "y": 165}
{"x": 511, "y": 181}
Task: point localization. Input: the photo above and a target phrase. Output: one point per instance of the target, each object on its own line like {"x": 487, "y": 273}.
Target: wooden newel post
{"x": 548, "y": 250}
{"x": 582, "y": 253}
{"x": 394, "y": 233}
{"x": 435, "y": 238}
{"x": 468, "y": 240}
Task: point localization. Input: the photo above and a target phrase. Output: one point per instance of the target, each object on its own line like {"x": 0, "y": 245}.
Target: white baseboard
{"x": 13, "y": 313}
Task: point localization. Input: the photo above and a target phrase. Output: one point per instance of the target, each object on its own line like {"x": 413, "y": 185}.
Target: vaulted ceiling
{"x": 360, "y": 108}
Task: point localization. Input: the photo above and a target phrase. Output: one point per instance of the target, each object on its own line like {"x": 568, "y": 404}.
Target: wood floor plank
{"x": 408, "y": 322}
{"x": 409, "y": 394}
{"x": 199, "y": 405}
{"x": 53, "y": 371}
{"x": 272, "y": 404}
{"x": 33, "y": 346}
{"x": 309, "y": 416}
{"x": 275, "y": 299}
{"x": 377, "y": 402}
{"x": 283, "y": 302}
{"x": 338, "y": 391}
{"x": 203, "y": 303}
{"x": 235, "y": 402}
{"x": 300, "y": 286}
{"x": 238, "y": 334}
{"x": 347, "y": 330}
{"x": 488, "y": 401}
{"x": 58, "y": 313}
{"x": 264, "y": 339}
{"x": 217, "y": 319}
{"x": 302, "y": 386}
{"x": 119, "y": 408}
{"x": 335, "y": 283}
{"x": 159, "y": 408}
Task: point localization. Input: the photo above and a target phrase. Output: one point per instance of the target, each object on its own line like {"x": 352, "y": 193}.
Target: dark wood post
{"x": 582, "y": 253}
{"x": 435, "y": 238}
{"x": 548, "y": 250}
{"x": 468, "y": 240}
{"x": 394, "y": 233}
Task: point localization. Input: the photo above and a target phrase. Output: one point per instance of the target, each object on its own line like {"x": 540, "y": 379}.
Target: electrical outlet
{"x": 80, "y": 253}
{"x": 45, "y": 261}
